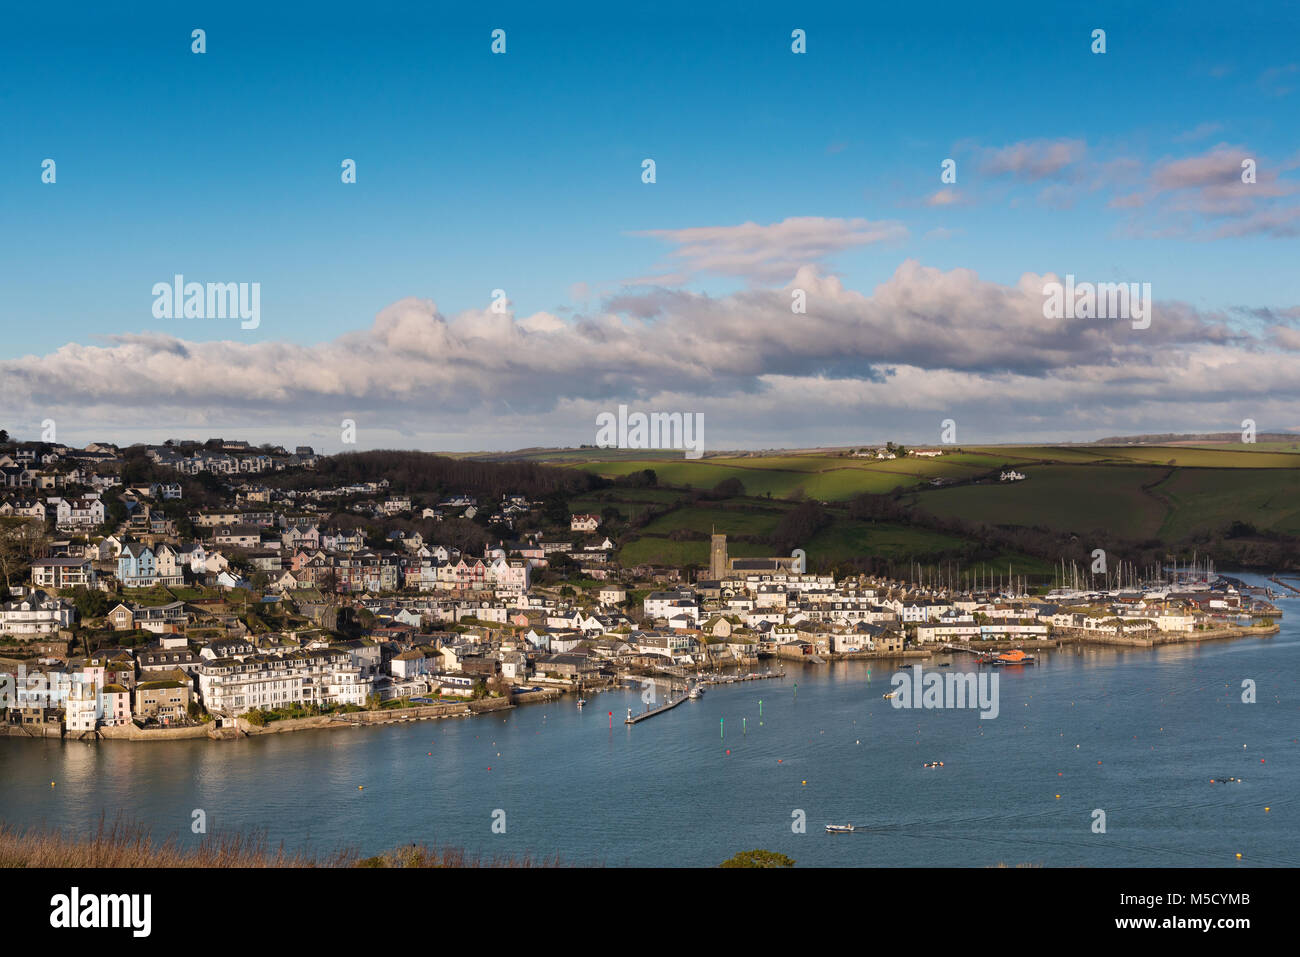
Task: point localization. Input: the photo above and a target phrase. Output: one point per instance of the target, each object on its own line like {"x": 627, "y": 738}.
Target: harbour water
{"x": 1135, "y": 733}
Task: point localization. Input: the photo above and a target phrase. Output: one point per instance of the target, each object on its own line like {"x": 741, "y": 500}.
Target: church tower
{"x": 718, "y": 557}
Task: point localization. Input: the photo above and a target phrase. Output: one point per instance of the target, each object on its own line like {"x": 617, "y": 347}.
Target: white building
{"x": 79, "y": 512}
{"x": 35, "y": 614}
{"x": 670, "y": 604}
{"x": 325, "y": 678}
{"x": 82, "y": 707}
{"x": 63, "y": 573}
{"x": 583, "y": 523}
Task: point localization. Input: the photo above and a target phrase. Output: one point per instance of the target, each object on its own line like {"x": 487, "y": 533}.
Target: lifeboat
{"x": 1013, "y": 657}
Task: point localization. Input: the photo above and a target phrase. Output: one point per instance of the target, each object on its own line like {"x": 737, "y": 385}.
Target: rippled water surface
{"x": 1137, "y": 734}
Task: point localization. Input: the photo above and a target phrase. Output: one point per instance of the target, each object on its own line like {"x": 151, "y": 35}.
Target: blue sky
{"x": 522, "y": 172}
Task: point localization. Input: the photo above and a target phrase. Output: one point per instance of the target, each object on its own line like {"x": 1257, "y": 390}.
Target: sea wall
{"x": 354, "y": 719}
{"x": 129, "y": 732}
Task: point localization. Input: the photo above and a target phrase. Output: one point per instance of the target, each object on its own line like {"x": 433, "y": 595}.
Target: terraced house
{"x": 165, "y": 697}
{"x": 137, "y": 566}
{"x": 233, "y": 686}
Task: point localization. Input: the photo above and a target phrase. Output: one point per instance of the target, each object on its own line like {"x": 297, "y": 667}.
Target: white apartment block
{"x": 325, "y": 678}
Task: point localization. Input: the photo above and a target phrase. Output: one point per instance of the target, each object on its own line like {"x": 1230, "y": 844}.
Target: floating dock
{"x": 666, "y": 706}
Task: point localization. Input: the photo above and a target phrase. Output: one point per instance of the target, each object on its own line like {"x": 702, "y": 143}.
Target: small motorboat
{"x": 839, "y": 828}
{"x": 933, "y": 764}
{"x": 1225, "y": 780}
{"x": 888, "y": 695}
{"x": 581, "y": 702}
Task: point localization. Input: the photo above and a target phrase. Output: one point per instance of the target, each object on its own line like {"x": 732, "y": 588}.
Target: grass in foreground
{"x": 126, "y": 844}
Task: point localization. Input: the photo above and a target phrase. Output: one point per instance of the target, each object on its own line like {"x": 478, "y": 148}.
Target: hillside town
{"x": 129, "y": 605}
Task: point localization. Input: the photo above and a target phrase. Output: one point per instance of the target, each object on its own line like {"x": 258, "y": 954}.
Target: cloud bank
{"x": 858, "y": 366}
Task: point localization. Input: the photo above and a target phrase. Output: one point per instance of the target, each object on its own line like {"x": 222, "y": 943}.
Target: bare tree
{"x": 22, "y": 541}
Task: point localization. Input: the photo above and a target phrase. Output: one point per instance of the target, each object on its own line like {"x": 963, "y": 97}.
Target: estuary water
{"x": 1135, "y": 734}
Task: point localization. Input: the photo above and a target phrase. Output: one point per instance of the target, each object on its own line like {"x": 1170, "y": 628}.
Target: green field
{"x": 1067, "y": 498}
{"x": 1139, "y": 496}
{"x": 822, "y": 477}
{"x": 738, "y": 519}
{"x": 1171, "y": 492}
{"x": 1207, "y": 500}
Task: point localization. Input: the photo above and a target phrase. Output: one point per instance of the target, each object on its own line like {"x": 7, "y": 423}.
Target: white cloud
{"x": 925, "y": 344}
{"x": 772, "y": 252}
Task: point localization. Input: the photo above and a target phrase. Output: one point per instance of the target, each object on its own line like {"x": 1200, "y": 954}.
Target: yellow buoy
{"x": 1265, "y": 810}
{"x": 1058, "y": 797}
{"x": 361, "y": 787}
{"x": 803, "y": 782}
{"x": 51, "y": 784}
{"x": 1239, "y": 856}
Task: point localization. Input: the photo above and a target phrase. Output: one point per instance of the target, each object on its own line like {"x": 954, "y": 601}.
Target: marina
{"x": 725, "y": 679}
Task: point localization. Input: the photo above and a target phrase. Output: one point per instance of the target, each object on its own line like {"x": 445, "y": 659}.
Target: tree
{"x": 729, "y": 488}
{"x": 798, "y": 525}
{"x": 21, "y": 542}
{"x": 90, "y": 603}
{"x": 758, "y": 858}
{"x": 328, "y": 581}
{"x": 646, "y": 478}
{"x": 555, "y": 508}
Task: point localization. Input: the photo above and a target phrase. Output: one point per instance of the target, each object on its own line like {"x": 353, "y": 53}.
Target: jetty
{"x": 666, "y": 706}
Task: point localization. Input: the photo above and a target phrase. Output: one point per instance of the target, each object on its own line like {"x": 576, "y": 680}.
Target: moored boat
{"x": 1013, "y": 657}
{"x": 839, "y": 828}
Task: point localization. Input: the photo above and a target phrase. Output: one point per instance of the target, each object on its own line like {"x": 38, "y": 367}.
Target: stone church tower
{"x": 718, "y": 557}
